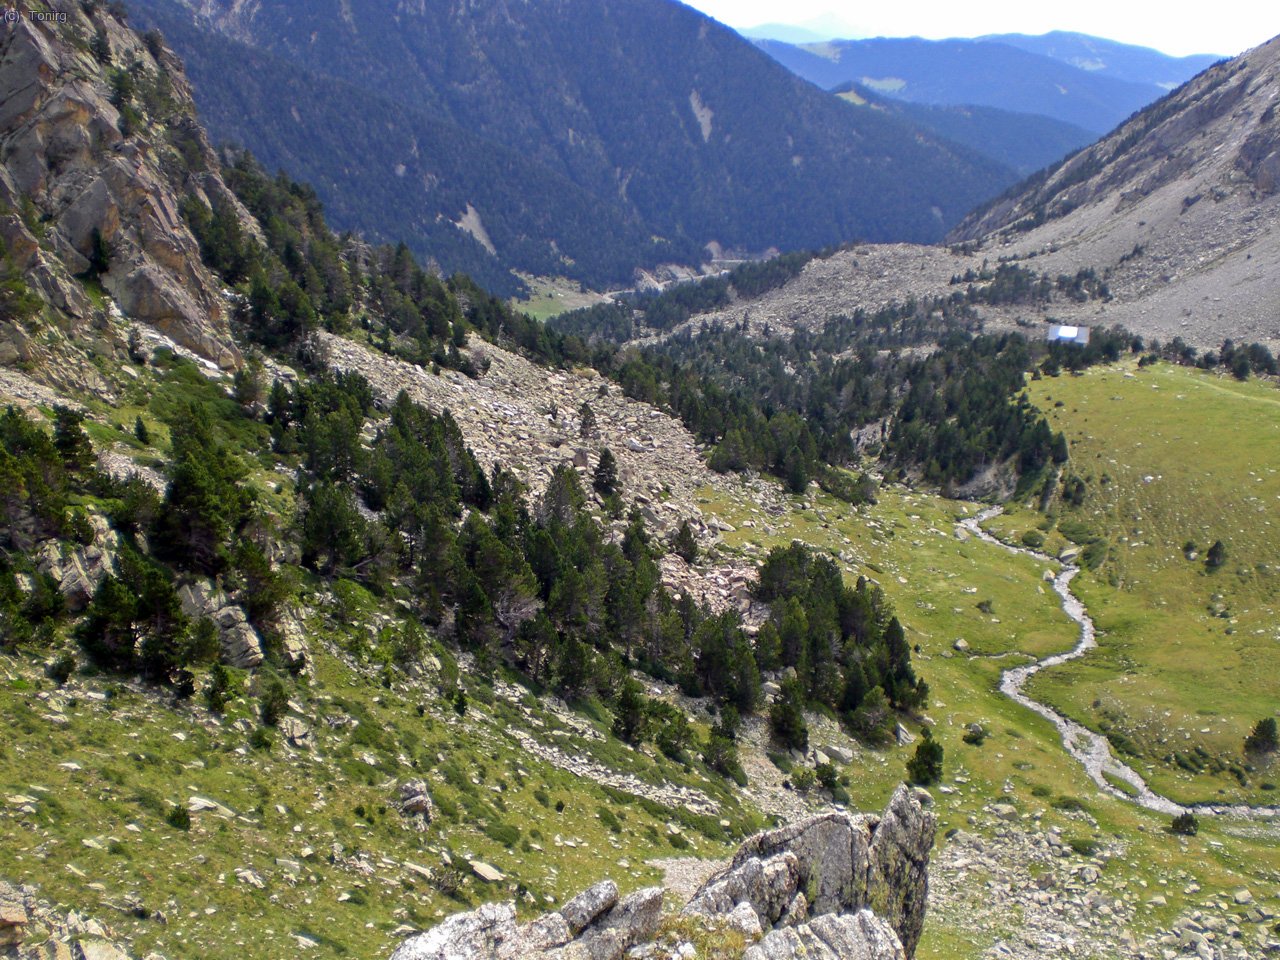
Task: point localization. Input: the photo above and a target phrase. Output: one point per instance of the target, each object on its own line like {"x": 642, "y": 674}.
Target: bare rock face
{"x": 86, "y": 170}
{"x": 79, "y": 571}
{"x": 835, "y": 863}
{"x": 857, "y": 936}
{"x": 609, "y": 928}
{"x": 837, "y": 886}
{"x": 241, "y": 645}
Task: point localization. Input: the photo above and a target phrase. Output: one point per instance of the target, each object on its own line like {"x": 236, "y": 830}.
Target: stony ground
{"x": 1025, "y": 889}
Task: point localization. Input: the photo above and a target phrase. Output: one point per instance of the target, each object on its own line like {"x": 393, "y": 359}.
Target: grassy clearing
{"x": 909, "y": 544}
{"x": 550, "y": 296}
{"x": 1174, "y": 458}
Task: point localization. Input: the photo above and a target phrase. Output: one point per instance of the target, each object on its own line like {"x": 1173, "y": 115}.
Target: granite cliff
{"x": 100, "y": 143}
{"x": 831, "y": 887}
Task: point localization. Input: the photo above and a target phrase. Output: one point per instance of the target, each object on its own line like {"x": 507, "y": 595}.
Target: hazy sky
{"x": 1227, "y": 27}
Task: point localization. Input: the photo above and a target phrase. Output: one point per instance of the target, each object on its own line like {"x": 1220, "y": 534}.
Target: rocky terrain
{"x": 1068, "y": 905}
{"x": 1176, "y": 210}
{"x": 1179, "y": 204}
{"x": 528, "y": 418}
{"x": 32, "y": 929}
{"x": 91, "y": 186}
{"x": 832, "y": 887}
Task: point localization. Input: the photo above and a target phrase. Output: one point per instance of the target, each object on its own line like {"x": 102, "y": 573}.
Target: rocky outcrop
{"x": 415, "y": 801}
{"x": 836, "y": 863}
{"x": 856, "y": 936}
{"x": 595, "y": 925}
{"x": 93, "y": 172}
{"x": 30, "y": 928}
{"x": 837, "y": 886}
{"x": 79, "y": 571}
{"x": 241, "y": 645}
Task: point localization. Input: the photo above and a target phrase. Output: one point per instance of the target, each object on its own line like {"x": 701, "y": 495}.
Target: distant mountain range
{"x": 980, "y": 73}
{"x": 1026, "y": 142}
{"x": 1108, "y": 58}
{"x": 1179, "y": 208}
{"x": 574, "y": 137}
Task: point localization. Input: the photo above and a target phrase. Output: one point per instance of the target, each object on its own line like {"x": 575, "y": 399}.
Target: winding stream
{"x": 1092, "y": 750}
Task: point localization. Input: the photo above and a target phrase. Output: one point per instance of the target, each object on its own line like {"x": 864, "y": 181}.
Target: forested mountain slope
{"x": 666, "y": 123}
{"x": 1179, "y": 205}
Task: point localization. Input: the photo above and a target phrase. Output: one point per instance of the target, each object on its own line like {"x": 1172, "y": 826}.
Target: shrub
{"x": 1069, "y": 804}
{"x": 803, "y": 778}
{"x": 178, "y": 818}
{"x": 218, "y": 690}
{"x": 273, "y": 701}
{"x": 1083, "y": 846}
{"x": 826, "y": 775}
{"x": 926, "y": 766}
{"x": 61, "y": 668}
{"x": 1262, "y": 739}
{"x": 685, "y": 545}
{"x": 503, "y": 833}
{"x": 609, "y": 819}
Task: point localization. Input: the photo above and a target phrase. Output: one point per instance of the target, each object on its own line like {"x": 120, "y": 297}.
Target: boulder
{"x": 473, "y": 935}
{"x": 486, "y": 872}
{"x": 296, "y": 732}
{"x": 98, "y": 950}
{"x": 579, "y": 912}
{"x": 241, "y": 646}
{"x": 415, "y": 800}
{"x": 858, "y": 936}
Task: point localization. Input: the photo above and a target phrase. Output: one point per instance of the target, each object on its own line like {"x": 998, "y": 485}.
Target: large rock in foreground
{"x": 595, "y": 925}
{"x": 837, "y": 886}
{"x": 836, "y": 863}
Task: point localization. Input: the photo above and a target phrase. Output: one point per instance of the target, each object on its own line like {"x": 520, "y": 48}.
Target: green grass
{"x": 909, "y": 544}
{"x": 550, "y": 296}
{"x": 139, "y": 757}
{"x": 1187, "y": 659}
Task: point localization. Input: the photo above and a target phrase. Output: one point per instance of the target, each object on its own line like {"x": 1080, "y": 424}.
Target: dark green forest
{"x": 401, "y": 119}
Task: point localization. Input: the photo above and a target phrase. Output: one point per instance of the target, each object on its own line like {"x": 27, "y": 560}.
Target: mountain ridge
{"x": 675, "y": 143}
{"x": 978, "y": 72}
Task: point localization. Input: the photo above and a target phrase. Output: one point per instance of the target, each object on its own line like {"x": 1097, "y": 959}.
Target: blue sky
{"x": 1228, "y": 27}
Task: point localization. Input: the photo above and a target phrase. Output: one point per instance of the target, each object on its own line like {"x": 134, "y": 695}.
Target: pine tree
{"x": 630, "y": 713}
{"x": 1263, "y": 738}
{"x": 71, "y": 440}
{"x": 685, "y": 545}
{"x": 587, "y": 417}
{"x": 795, "y": 471}
{"x": 926, "y": 766}
{"x": 605, "y": 480}
{"x": 786, "y": 716}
